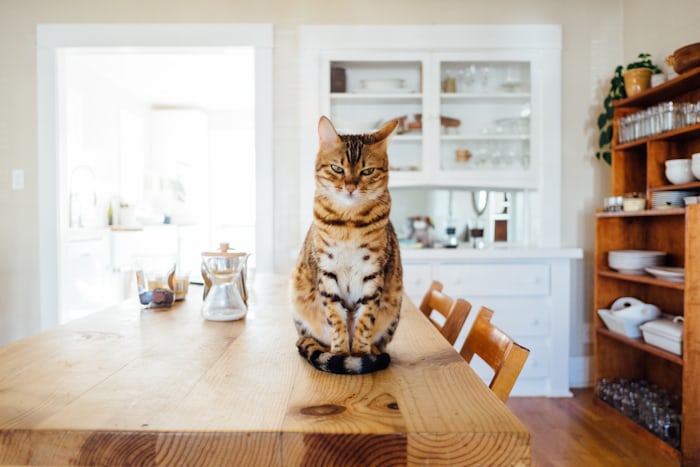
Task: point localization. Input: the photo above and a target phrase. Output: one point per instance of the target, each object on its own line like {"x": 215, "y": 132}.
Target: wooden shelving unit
{"x": 638, "y": 166}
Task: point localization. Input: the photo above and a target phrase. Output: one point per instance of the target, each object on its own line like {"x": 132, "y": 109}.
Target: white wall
{"x": 597, "y": 34}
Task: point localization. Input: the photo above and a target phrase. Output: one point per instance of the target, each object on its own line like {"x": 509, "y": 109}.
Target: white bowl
{"x": 695, "y": 157}
{"x": 677, "y": 162}
{"x": 677, "y": 175}
{"x": 695, "y": 170}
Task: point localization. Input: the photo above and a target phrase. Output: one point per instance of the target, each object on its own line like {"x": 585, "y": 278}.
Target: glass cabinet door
{"x": 484, "y": 116}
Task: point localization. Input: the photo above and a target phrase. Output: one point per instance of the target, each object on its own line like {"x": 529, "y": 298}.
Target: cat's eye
{"x": 367, "y": 171}
{"x": 337, "y": 169}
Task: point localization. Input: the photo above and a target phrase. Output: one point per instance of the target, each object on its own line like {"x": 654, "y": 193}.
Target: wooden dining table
{"x": 130, "y": 385}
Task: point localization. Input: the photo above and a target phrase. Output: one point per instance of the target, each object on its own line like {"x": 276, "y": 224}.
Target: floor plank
{"x": 571, "y": 432}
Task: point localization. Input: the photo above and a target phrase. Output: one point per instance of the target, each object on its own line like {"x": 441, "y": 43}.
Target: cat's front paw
{"x": 361, "y": 348}
{"x": 341, "y": 349}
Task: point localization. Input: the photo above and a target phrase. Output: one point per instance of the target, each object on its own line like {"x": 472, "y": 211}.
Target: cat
{"x": 347, "y": 285}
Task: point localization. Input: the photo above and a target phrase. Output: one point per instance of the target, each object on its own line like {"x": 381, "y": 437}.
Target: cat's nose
{"x": 350, "y": 187}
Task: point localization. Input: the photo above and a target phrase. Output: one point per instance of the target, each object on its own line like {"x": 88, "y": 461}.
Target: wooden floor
{"x": 571, "y": 432}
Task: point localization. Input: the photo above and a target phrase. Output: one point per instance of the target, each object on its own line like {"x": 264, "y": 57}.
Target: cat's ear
{"x": 328, "y": 137}
{"x": 382, "y": 135}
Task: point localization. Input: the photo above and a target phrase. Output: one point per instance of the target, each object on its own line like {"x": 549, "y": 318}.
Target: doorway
{"x": 163, "y": 130}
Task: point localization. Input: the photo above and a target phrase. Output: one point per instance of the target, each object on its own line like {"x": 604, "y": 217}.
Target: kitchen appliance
{"x": 225, "y": 295}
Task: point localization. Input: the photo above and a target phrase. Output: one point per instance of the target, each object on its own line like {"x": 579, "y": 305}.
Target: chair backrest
{"x": 453, "y": 311}
{"x": 505, "y": 356}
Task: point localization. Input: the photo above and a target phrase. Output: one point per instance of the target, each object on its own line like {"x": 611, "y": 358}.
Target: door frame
{"x": 53, "y": 37}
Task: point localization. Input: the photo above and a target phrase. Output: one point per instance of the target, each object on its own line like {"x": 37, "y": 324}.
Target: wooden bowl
{"x": 686, "y": 58}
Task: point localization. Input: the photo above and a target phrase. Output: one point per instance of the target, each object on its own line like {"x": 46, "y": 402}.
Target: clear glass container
{"x": 224, "y": 295}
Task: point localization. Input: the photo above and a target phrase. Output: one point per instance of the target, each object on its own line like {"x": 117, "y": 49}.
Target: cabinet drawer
{"x": 416, "y": 280}
{"x": 473, "y": 280}
{"x": 537, "y": 364}
{"x": 521, "y": 317}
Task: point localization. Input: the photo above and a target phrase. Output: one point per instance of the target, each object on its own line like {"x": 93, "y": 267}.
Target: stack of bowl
{"x": 679, "y": 171}
{"x": 695, "y": 165}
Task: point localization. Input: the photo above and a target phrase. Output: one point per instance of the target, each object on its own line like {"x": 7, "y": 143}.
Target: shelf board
{"x": 679, "y": 186}
{"x": 641, "y": 345}
{"x": 485, "y": 137}
{"x": 637, "y": 429}
{"x": 460, "y": 96}
{"x": 377, "y": 97}
{"x": 664, "y": 91}
{"x": 690, "y": 131}
{"x": 641, "y": 279}
{"x": 647, "y": 212}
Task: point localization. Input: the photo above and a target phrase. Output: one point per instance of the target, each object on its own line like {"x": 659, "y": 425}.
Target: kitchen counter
{"x": 465, "y": 251}
{"x": 133, "y": 386}
{"x": 535, "y": 292}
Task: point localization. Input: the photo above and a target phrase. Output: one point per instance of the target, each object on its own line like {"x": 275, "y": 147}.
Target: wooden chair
{"x": 454, "y": 311}
{"x": 505, "y": 356}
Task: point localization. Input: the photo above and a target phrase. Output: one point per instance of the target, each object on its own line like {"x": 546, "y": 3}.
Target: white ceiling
{"x": 207, "y": 78}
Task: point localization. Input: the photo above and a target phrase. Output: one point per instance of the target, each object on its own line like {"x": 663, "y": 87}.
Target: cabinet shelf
{"x": 680, "y": 186}
{"x": 685, "y": 133}
{"x": 376, "y": 97}
{"x": 645, "y": 213}
{"x": 638, "y": 430}
{"x": 641, "y": 345}
{"x": 671, "y": 89}
{"x": 487, "y": 137}
{"x": 462, "y": 96}
{"x": 641, "y": 279}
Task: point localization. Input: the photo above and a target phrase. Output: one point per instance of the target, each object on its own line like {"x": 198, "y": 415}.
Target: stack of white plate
{"x": 667, "y": 273}
{"x": 667, "y": 199}
{"x": 634, "y": 261}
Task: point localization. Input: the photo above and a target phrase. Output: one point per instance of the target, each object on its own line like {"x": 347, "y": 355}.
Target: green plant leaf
{"x": 605, "y": 137}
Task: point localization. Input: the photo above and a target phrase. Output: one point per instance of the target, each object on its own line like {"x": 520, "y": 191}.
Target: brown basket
{"x": 686, "y": 58}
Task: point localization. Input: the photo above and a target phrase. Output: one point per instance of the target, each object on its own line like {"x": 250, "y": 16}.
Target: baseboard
{"x": 580, "y": 372}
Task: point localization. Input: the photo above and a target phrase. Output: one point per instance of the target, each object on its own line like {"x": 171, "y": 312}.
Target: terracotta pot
{"x": 637, "y": 80}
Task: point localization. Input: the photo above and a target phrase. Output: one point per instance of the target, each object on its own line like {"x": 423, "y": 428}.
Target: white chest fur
{"x": 351, "y": 264}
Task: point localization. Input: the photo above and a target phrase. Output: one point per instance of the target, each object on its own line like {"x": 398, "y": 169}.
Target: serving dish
{"x": 686, "y": 58}
{"x": 664, "y": 333}
{"x": 627, "y": 314}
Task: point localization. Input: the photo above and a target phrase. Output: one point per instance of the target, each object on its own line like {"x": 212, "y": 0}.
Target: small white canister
{"x": 665, "y": 333}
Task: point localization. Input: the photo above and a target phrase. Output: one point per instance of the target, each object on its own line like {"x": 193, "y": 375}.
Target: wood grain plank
{"x": 128, "y": 386}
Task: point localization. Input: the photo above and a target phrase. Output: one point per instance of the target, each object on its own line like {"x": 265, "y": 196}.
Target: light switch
{"x": 18, "y": 179}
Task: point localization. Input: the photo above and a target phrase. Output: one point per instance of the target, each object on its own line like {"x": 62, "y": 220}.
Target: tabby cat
{"x": 347, "y": 284}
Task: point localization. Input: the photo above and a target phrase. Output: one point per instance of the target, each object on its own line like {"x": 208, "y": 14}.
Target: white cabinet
{"x": 532, "y": 292}
{"x": 480, "y": 110}
{"x": 417, "y": 277}
{"x": 479, "y": 106}
{"x": 88, "y": 282}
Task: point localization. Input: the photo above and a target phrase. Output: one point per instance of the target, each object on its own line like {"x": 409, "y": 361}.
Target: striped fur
{"x": 347, "y": 283}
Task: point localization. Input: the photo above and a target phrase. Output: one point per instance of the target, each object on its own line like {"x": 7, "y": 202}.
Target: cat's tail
{"x": 318, "y": 355}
